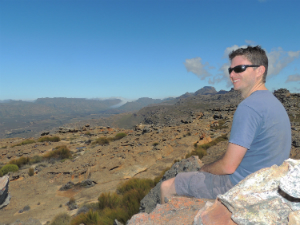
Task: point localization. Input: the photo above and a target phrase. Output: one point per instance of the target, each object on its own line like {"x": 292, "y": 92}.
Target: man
{"x": 260, "y": 135}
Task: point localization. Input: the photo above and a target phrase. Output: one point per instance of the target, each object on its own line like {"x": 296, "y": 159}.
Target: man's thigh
{"x": 202, "y": 184}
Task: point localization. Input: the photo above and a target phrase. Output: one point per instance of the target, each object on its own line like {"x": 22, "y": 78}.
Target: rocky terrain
{"x": 167, "y": 133}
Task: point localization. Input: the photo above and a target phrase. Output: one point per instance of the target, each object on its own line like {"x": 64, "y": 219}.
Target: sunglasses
{"x": 240, "y": 68}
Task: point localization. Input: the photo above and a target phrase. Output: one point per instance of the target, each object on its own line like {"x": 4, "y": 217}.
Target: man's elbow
{"x": 229, "y": 169}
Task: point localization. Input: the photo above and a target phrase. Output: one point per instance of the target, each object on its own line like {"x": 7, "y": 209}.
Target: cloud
{"x": 279, "y": 59}
{"x": 293, "y": 78}
{"x": 249, "y": 42}
{"x": 232, "y": 48}
{"x": 195, "y": 66}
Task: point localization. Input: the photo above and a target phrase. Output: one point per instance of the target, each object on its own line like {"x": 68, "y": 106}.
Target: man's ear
{"x": 260, "y": 71}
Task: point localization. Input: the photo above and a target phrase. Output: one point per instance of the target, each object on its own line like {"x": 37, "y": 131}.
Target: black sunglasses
{"x": 240, "y": 68}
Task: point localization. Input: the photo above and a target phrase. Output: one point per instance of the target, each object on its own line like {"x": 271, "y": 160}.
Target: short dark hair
{"x": 256, "y": 55}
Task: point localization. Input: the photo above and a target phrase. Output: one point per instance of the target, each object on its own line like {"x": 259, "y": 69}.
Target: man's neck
{"x": 258, "y": 87}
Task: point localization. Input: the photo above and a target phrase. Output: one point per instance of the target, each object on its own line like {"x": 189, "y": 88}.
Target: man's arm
{"x": 228, "y": 163}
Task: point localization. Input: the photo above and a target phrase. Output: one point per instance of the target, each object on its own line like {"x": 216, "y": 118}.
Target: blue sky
{"x": 142, "y": 48}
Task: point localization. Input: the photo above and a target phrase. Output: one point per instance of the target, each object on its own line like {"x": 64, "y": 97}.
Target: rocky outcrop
{"x": 178, "y": 211}
{"x": 4, "y": 195}
{"x": 269, "y": 196}
{"x": 149, "y": 202}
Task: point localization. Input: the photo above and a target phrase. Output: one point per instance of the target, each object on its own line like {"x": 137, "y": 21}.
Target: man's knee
{"x": 168, "y": 185}
{"x": 167, "y": 189}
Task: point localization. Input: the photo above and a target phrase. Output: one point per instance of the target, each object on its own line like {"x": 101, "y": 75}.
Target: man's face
{"x": 244, "y": 81}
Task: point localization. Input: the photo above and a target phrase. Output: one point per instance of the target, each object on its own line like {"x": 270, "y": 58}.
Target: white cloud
{"x": 293, "y": 78}
{"x": 279, "y": 59}
{"x": 232, "y": 48}
{"x": 249, "y": 42}
{"x": 195, "y": 66}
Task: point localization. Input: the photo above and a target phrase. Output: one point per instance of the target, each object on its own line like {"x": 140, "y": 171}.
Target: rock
{"x": 212, "y": 214}
{"x": 45, "y": 133}
{"x": 72, "y": 204}
{"x": 178, "y": 211}
{"x": 290, "y": 183}
{"x": 294, "y": 218}
{"x": 67, "y": 186}
{"x": 256, "y": 199}
{"x": 83, "y": 209}
{"x": 88, "y": 183}
{"x": 149, "y": 202}
{"x": 4, "y": 195}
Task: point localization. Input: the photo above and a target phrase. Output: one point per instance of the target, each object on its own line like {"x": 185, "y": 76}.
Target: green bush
{"x": 26, "y": 142}
{"x": 20, "y": 161}
{"x": 131, "y": 200}
{"x": 101, "y": 141}
{"x": 1, "y": 174}
{"x": 119, "y": 136}
{"x": 155, "y": 144}
{"x": 61, "y": 219}
{"x": 36, "y": 159}
{"x": 31, "y": 172}
{"x": 134, "y": 183}
{"x": 108, "y": 200}
{"x": 60, "y": 152}
{"x": 9, "y": 168}
{"x": 89, "y": 218}
{"x": 108, "y": 215}
{"x": 47, "y": 138}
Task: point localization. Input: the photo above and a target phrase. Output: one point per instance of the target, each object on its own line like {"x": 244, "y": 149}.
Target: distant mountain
{"x": 206, "y": 90}
{"x": 222, "y": 92}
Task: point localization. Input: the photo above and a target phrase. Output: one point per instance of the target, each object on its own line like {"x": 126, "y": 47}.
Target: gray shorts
{"x": 202, "y": 184}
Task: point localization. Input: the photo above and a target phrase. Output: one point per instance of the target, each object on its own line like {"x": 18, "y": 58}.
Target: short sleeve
{"x": 245, "y": 126}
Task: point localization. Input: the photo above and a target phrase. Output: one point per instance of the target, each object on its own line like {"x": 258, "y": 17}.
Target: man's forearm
{"x": 216, "y": 168}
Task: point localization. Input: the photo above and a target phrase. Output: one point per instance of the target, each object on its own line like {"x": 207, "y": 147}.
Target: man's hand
{"x": 228, "y": 163}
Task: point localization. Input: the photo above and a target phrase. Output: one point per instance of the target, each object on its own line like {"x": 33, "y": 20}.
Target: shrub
{"x": 36, "y": 159}
{"x": 89, "y": 218}
{"x": 119, "y": 136}
{"x": 155, "y": 144}
{"x": 4, "y": 147}
{"x": 1, "y": 174}
{"x": 108, "y": 200}
{"x": 47, "y": 138}
{"x": 101, "y": 141}
{"x": 31, "y": 172}
{"x": 88, "y": 133}
{"x": 26, "y": 142}
{"x": 72, "y": 200}
{"x": 9, "y": 168}
{"x": 108, "y": 215}
{"x": 131, "y": 200}
{"x": 134, "y": 183}
{"x": 61, "y": 219}
{"x": 20, "y": 161}
{"x": 60, "y": 152}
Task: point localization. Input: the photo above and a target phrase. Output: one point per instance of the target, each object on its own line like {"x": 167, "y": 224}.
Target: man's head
{"x": 256, "y": 55}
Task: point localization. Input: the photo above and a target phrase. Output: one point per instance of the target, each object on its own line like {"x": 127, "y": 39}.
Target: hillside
{"x": 168, "y": 132}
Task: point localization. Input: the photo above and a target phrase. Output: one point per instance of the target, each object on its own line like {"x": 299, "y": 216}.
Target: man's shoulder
{"x": 262, "y": 98}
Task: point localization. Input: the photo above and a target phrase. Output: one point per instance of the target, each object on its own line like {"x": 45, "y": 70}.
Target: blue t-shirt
{"x": 261, "y": 125}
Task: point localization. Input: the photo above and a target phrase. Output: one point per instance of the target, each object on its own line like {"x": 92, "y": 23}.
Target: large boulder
{"x": 4, "y": 195}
